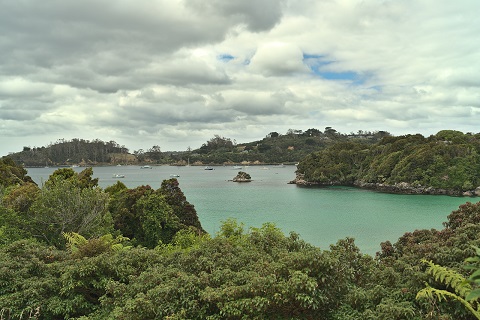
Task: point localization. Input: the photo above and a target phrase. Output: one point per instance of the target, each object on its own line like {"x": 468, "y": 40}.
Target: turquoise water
{"x": 320, "y": 215}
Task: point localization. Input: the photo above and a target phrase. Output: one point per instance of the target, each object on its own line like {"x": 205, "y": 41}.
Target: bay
{"x": 321, "y": 216}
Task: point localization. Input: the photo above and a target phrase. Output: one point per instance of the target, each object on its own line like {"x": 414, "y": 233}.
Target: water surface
{"x": 320, "y": 215}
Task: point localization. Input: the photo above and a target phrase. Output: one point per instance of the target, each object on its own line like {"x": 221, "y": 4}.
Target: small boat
{"x": 237, "y": 167}
{"x": 281, "y": 165}
{"x": 208, "y": 168}
{"x": 118, "y": 176}
{"x": 75, "y": 166}
{"x": 175, "y": 175}
{"x": 146, "y": 167}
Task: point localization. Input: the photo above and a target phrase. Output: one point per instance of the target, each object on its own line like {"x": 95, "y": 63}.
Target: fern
{"x": 449, "y": 277}
{"x": 452, "y": 279}
{"x": 74, "y": 240}
{"x": 79, "y": 245}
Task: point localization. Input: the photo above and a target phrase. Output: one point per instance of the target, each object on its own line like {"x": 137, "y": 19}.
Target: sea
{"x": 321, "y": 216}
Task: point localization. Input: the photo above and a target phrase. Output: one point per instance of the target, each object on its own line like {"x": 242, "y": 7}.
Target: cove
{"x": 321, "y": 216}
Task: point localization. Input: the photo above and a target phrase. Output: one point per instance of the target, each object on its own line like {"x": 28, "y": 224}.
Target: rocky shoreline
{"x": 399, "y": 188}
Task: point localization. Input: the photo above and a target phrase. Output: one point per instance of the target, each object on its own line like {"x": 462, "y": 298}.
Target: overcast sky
{"x": 175, "y": 73}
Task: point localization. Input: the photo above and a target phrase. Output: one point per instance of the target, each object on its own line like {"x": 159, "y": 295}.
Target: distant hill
{"x": 274, "y": 148}
{"x": 445, "y": 163}
{"x": 69, "y": 152}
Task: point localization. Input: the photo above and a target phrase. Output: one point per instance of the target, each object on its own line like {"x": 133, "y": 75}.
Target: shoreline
{"x": 397, "y": 188}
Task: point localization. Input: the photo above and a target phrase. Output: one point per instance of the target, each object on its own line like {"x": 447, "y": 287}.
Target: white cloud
{"x": 278, "y": 59}
{"x": 174, "y": 73}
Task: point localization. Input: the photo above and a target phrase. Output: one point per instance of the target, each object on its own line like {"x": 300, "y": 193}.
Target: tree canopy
{"x": 449, "y": 160}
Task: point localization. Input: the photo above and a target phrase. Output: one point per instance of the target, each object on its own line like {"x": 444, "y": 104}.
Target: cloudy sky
{"x": 174, "y": 73}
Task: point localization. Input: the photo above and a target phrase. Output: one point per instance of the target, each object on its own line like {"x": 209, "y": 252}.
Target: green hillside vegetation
{"x": 448, "y": 162}
{"x": 274, "y": 148}
{"x": 72, "y": 250}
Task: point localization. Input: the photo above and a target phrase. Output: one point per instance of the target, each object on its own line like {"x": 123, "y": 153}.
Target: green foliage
{"x": 433, "y": 162}
{"x": 124, "y": 212}
{"x": 473, "y": 263}
{"x": 455, "y": 281}
{"x": 184, "y": 210}
{"x": 338, "y": 164}
{"x": 67, "y": 152}
{"x": 152, "y": 217}
{"x": 12, "y": 226}
{"x": 82, "y": 180}
{"x": 231, "y": 229}
{"x": 222, "y": 279}
{"x": 12, "y": 174}
{"x": 255, "y": 273}
{"x": 61, "y": 207}
{"x": 290, "y": 147}
{"x": 157, "y": 220}
{"x": 20, "y": 197}
{"x": 29, "y": 278}
{"x": 80, "y": 247}
{"x": 116, "y": 188}
{"x": 242, "y": 176}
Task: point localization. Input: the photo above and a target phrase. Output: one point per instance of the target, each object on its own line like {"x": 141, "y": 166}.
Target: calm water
{"x": 320, "y": 215}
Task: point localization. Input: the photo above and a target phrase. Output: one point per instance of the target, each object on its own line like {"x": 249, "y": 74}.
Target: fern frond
{"x": 74, "y": 240}
{"x": 449, "y": 277}
{"x": 432, "y": 293}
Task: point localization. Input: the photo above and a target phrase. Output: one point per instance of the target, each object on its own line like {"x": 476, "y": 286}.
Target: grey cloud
{"x": 152, "y": 70}
{"x": 258, "y": 15}
{"x": 17, "y": 114}
{"x": 101, "y": 44}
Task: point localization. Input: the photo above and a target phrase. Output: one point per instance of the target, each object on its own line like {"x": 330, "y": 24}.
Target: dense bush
{"x": 142, "y": 254}
{"x": 413, "y": 159}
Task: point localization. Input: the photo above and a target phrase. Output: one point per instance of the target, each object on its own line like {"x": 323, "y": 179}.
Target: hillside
{"x": 445, "y": 163}
{"x": 274, "y": 148}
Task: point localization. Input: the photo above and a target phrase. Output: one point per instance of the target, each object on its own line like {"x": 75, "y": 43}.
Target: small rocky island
{"x": 242, "y": 177}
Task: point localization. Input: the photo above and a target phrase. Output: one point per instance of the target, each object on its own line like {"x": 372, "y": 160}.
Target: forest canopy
{"x": 449, "y": 160}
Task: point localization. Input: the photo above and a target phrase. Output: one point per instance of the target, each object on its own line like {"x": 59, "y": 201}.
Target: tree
{"x": 183, "y": 209}
{"x": 11, "y": 173}
{"x": 217, "y": 143}
{"x": 312, "y": 132}
{"x": 242, "y": 177}
{"x": 82, "y": 179}
{"x": 155, "y": 153}
{"x": 329, "y": 131}
{"x": 157, "y": 220}
{"x": 62, "y": 206}
{"x": 294, "y": 132}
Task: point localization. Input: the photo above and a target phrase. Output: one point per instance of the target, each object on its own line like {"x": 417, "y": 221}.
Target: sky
{"x": 175, "y": 73}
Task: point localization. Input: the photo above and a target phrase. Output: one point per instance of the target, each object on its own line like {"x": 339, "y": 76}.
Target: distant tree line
{"x": 290, "y": 147}
{"x": 75, "y": 151}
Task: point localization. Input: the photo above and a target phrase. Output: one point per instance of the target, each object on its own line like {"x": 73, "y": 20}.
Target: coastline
{"x": 397, "y": 188}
